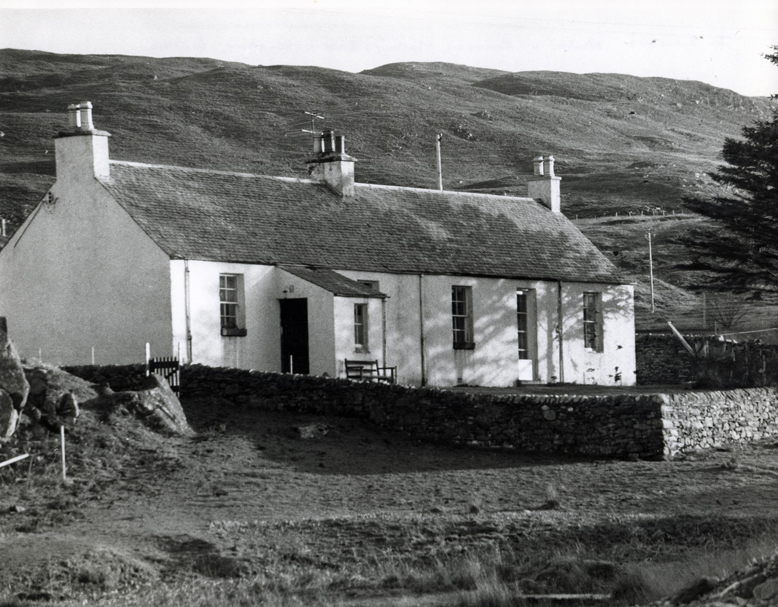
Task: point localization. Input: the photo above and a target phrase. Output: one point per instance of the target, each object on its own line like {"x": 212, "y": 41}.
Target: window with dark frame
{"x": 462, "y": 317}
{"x": 360, "y": 327}
{"x": 230, "y": 305}
{"x": 592, "y": 320}
{"x": 522, "y": 323}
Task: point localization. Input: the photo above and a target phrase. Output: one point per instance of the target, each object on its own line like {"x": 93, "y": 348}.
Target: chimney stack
{"x": 81, "y": 150}
{"x": 544, "y": 184}
{"x": 331, "y": 165}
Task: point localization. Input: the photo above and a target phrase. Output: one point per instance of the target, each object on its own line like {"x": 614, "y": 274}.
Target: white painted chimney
{"x": 81, "y": 150}
{"x": 544, "y": 184}
{"x": 331, "y": 165}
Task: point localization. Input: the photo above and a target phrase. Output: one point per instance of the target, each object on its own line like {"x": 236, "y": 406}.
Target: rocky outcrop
{"x": 156, "y": 405}
{"x": 14, "y": 387}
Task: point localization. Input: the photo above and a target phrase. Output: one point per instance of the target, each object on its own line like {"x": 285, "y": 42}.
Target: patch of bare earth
{"x": 248, "y": 509}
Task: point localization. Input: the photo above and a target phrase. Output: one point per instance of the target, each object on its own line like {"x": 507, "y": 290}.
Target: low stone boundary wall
{"x": 662, "y": 360}
{"x": 647, "y": 426}
{"x": 694, "y": 420}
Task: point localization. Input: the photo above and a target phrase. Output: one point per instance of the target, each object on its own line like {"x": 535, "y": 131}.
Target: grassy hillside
{"x": 622, "y": 143}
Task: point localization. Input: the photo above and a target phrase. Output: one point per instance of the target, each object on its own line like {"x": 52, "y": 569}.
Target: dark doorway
{"x": 294, "y": 336}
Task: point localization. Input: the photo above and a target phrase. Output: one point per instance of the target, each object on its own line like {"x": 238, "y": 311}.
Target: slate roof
{"x": 238, "y": 217}
{"x": 335, "y": 283}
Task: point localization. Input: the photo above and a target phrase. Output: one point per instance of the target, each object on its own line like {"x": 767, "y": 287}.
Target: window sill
{"x": 464, "y": 345}
{"x": 234, "y": 332}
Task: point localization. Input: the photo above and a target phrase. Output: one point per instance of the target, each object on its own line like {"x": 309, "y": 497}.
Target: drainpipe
{"x": 421, "y": 331}
{"x": 383, "y": 329}
{"x": 187, "y": 312}
{"x": 560, "y": 320}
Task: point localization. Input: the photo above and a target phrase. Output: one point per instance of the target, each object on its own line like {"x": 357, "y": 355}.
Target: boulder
{"x": 9, "y": 416}
{"x": 50, "y": 403}
{"x": 156, "y": 405}
{"x": 12, "y": 379}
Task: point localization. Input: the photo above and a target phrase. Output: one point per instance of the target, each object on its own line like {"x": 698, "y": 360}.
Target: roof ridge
{"x": 208, "y": 171}
{"x": 301, "y": 180}
{"x": 429, "y": 190}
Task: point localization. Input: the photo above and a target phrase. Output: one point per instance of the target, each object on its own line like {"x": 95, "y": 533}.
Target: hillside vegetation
{"x": 622, "y": 143}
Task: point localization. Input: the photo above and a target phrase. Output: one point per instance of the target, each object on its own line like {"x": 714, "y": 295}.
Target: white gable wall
{"x": 321, "y": 321}
{"x": 80, "y": 273}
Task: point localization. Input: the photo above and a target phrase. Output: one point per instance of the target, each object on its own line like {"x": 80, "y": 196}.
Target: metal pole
{"x": 651, "y": 269}
{"x": 62, "y": 437}
{"x": 440, "y": 164}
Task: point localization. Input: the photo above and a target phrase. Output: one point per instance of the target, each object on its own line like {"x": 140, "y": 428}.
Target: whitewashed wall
{"x": 344, "y": 331}
{"x": 80, "y": 273}
{"x": 586, "y": 366}
{"x": 494, "y": 362}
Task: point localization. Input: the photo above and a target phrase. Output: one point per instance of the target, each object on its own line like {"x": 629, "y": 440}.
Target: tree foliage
{"x": 743, "y": 255}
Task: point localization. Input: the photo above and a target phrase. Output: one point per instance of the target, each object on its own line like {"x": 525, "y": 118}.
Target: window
{"x": 522, "y": 322}
{"x": 462, "y": 317}
{"x": 230, "y": 304}
{"x": 592, "y": 319}
{"x": 360, "y": 327}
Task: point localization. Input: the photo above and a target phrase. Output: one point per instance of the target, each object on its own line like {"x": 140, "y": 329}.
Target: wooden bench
{"x": 368, "y": 370}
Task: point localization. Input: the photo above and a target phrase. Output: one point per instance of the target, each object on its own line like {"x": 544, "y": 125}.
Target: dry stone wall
{"x": 699, "y": 420}
{"x": 663, "y": 360}
{"x": 622, "y": 425}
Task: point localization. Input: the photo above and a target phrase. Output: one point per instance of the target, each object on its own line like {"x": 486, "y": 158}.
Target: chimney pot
{"x": 548, "y": 166}
{"x": 74, "y": 118}
{"x": 340, "y": 144}
{"x": 544, "y": 185}
{"x": 328, "y": 142}
{"x": 85, "y": 114}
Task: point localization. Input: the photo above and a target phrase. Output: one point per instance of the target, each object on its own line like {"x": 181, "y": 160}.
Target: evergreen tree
{"x": 744, "y": 255}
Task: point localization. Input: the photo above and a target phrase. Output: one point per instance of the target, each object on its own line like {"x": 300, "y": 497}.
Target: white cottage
{"x": 279, "y": 273}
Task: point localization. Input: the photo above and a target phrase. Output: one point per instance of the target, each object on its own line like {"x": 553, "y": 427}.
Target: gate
{"x": 167, "y": 367}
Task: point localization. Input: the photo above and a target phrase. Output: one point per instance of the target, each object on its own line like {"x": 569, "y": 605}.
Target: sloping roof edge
{"x": 332, "y": 281}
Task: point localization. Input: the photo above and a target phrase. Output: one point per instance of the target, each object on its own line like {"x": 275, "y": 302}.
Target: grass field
{"x": 248, "y": 513}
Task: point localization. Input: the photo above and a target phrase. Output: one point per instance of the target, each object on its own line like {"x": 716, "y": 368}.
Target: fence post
{"x": 62, "y": 440}
{"x": 148, "y": 357}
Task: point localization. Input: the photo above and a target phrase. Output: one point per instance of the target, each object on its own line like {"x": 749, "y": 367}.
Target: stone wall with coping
{"x": 621, "y": 425}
